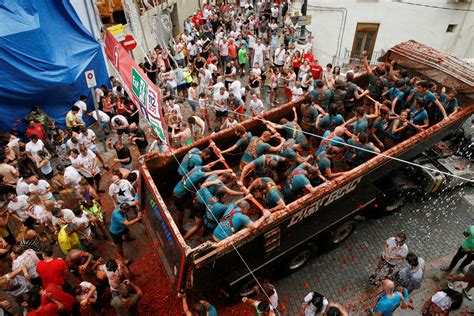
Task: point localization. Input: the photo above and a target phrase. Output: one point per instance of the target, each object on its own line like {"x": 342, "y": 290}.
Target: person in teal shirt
{"x": 449, "y": 101}
{"x": 396, "y": 95}
{"x": 263, "y": 165}
{"x": 325, "y": 161}
{"x": 259, "y": 146}
{"x": 391, "y": 299}
{"x": 242, "y": 142}
{"x": 332, "y": 138}
{"x": 379, "y": 127}
{"x": 331, "y": 120}
{"x": 299, "y": 180}
{"x": 215, "y": 182}
{"x": 193, "y": 158}
{"x": 309, "y": 115}
{"x": 290, "y": 130}
{"x": 235, "y": 219}
{"x": 320, "y": 95}
{"x": 190, "y": 183}
{"x": 431, "y": 100}
{"x": 266, "y": 190}
{"x": 355, "y": 156}
{"x": 419, "y": 117}
{"x": 213, "y": 208}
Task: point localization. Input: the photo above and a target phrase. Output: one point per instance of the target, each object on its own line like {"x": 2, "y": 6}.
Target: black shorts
{"x": 118, "y": 238}
{"x": 198, "y": 210}
{"x": 96, "y": 178}
{"x": 10, "y": 239}
{"x": 222, "y": 113}
{"x": 122, "y": 131}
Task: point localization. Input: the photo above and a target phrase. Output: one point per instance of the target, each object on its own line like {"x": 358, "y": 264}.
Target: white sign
{"x": 90, "y": 78}
{"x": 152, "y": 101}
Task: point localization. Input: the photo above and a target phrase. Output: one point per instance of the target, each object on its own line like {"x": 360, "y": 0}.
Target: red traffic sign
{"x": 129, "y": 42}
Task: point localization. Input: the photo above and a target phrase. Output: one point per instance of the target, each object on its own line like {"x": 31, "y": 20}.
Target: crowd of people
{"x": 51, "y": 178}
{"x": 56, "y": 238}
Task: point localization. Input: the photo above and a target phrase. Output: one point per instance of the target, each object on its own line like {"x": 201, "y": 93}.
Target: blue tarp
{"x": 44, "y": 51}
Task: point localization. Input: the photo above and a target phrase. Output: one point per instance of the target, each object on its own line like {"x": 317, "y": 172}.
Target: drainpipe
{"x": 342, "y": 27}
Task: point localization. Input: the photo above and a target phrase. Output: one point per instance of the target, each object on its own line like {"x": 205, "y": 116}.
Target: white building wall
{"x": 181, "y": 10}
{"x": 399, "y": 22}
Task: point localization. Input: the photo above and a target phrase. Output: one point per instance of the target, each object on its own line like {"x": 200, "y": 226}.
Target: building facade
{"x": 343, "y": 29}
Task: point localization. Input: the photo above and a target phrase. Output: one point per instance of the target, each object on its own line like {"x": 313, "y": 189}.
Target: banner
{"x": 144, "y": 94}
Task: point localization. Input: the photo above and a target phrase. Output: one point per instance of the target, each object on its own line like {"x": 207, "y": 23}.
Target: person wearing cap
{"x": 119, "y": 227}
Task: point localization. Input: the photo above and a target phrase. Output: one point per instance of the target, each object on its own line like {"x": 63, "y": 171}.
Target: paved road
{"x": 434, "y": 228}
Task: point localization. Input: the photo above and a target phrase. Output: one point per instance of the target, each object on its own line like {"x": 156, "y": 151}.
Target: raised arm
{"x": 366, "y": 62}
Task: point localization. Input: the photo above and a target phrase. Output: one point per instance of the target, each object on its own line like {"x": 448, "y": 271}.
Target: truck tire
{"x": 394, "y": 203}
{"x": 341, "y": 233}
{"x": 247, "y": 288}
{"x": 298, "y": 258}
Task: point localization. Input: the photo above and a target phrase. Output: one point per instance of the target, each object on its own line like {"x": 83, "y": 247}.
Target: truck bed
{"x": 160, "y": 176}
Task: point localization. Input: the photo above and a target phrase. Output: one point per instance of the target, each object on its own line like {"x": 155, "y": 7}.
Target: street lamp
{"x": 302, "y": 37}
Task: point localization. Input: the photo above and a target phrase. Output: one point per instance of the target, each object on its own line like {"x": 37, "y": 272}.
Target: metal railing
{"x": 351, "y": 59}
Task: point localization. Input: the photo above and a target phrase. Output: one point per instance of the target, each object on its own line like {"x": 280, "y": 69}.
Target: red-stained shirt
{"x": 309, "y": 57}
{"x": 38, "y": 130}
{"x": 232, "y": 50}
{"x": 59, "y": 295}
{"x": 316, "y": 71}
{"x": 52, "y": 272}
{"x": 50, "y": 309}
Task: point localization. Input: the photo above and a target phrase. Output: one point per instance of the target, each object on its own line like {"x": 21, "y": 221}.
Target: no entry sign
{"x": 129, "y": 42}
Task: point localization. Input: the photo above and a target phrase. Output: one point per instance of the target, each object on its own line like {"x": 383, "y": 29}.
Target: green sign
{"x": 139, "y": 86}
{"x": 149, "y": 99}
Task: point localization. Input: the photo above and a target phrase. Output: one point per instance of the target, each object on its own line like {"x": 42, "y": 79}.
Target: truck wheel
{"x": 394, "y": 203}
{"x": 247, "y": 288}
{"x": 341, "y": 233}
{"x": 298, "y": 259}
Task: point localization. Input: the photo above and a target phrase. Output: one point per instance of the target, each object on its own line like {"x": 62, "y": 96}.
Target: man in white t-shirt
{"x": 81, "y": 104}
{"x": 87, "y": 138}
{"x": 33, "y": 146}
{"x": 256, "y": 105}
{"x": 40, "y": 187}
{"x": 280, "y": 52}
{"x": 205, "y": 79}
{"x": 297, "y": 92}
{"x": 18, "y": 208}
{"x": 259, "y": 53}
{"x": 70, "y": 178}
{"x": 394, "y": 251}
{"x": 122, "y": 191}
{"x": 120, "y": 124}
{"x": 236, "y": 89}
{"x": 104, "y": 118}
{"x": 87, "y": 163}
{"x": 22, "y": 188}
{"x": 118, "y": 91}
{"x": 220, "y": 104}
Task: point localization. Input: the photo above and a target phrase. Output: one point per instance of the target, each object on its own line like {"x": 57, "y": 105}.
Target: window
{"x": 451, "y": 28}
{"x": 364, "y": 39}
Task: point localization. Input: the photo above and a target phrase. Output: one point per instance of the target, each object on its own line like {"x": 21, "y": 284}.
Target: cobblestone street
{"x": 434, "y": 229}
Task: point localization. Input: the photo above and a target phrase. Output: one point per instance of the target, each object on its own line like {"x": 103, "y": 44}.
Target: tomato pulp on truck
{"x": 288, "y": 237}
